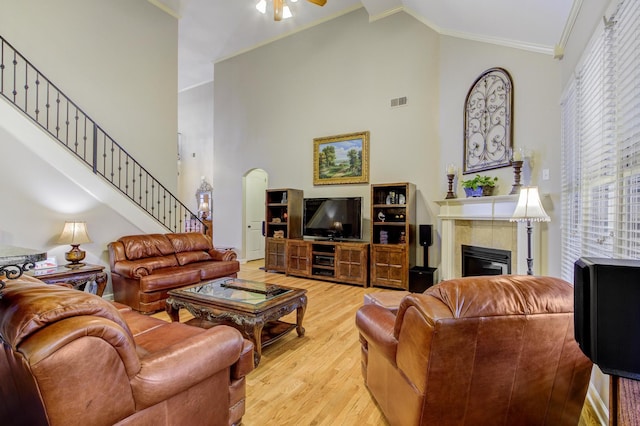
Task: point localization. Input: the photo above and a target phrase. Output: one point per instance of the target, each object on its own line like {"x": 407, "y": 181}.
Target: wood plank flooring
{"x": 315, "y": 379}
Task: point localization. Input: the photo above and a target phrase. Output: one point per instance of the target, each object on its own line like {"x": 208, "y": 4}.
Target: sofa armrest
{"x": 183, "y": 365}
{"x": 226, "y": 255}
{"x": 129, "y": 269}
{"x": 376, "y": 325}
{"x": 245, "y": 364}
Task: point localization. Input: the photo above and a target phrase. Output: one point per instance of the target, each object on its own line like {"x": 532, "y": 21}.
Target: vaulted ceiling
{"x": 211, "y": 30}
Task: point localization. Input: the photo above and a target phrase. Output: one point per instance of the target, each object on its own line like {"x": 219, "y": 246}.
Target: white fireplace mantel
{"x": 494, "y": 208}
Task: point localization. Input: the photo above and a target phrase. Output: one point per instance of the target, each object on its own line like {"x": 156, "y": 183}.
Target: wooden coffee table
{"x": 252, "y": 307}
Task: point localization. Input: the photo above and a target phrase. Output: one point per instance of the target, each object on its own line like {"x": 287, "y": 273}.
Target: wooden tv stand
{"x": 338, "y": 261}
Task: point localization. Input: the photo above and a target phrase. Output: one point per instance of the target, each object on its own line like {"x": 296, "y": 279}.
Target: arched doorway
{"x": 254, "y": 186}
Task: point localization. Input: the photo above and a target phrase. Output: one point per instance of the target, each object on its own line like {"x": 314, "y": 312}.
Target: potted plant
{"x": 479, "y": 186}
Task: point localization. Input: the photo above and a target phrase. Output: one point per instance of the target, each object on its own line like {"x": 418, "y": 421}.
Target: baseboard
{"x": 597, "y": 406}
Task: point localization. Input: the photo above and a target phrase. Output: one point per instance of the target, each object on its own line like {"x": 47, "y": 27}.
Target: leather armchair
{"x": 477, "y": 351}
{"x": 72, "y": 358}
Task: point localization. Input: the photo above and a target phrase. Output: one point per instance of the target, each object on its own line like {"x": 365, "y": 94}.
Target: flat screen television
{"x": 607, "y": 313}
{"x": 333, "y": 218}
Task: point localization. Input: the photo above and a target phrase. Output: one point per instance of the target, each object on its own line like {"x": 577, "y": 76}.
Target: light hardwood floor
{"x": 315, "y": 379}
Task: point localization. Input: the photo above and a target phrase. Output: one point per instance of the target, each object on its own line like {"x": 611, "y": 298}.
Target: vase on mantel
{"x": 480, "y": 191}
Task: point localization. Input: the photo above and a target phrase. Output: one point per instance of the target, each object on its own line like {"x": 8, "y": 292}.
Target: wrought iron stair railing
{"x": 39, "y": 99}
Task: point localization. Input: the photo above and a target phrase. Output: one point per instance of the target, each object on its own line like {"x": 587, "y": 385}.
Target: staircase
{"x": 40, "y": 101}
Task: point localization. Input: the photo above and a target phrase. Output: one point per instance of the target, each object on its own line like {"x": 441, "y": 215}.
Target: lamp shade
{"x": 529, "y": 207}
{"x": 74, "y": 233}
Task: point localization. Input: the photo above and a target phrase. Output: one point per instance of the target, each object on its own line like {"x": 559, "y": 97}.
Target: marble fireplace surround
{"x": 484, "y": 222}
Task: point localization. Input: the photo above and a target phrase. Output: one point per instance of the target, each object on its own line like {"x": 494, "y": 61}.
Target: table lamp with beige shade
{"x": 529, "y": 209}
{"x": 74, "y": 233}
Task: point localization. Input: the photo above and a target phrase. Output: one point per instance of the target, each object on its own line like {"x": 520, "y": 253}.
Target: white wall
{"x": 195, "y": 124}
{"x": 536, "y": 123}
{"x": 331, "y": 79}
{"x": 116, "y": 59}
{"x": 339, "y": 77}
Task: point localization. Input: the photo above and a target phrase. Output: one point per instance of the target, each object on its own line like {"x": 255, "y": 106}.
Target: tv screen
{"x": 333, "y": 218}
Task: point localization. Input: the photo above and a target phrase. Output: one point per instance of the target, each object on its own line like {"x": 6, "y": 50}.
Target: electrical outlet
{"x": 545, "y": 174}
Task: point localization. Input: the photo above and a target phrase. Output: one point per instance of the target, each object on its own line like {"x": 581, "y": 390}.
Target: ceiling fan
{"x": 281, "y": 10}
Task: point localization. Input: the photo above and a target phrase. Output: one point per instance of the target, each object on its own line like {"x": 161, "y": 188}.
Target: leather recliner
{"x": 72, "y": 358}
{"x": 476, "y": 351}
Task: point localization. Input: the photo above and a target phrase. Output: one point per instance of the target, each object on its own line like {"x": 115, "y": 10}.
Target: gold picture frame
{"x": 341, "y": 159}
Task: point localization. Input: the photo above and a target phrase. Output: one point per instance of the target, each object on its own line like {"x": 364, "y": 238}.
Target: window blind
{"x": 628, "y": 128}
{"x": 601, "y": 145}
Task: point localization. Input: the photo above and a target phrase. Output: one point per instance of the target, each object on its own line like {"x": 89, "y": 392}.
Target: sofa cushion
{"x": 189, "y": 241}
{"x": 169, "y": 278}
{"x": 187, "y": 257}
{"x": 211, "y": 270}
{"x": 144, "y": 246}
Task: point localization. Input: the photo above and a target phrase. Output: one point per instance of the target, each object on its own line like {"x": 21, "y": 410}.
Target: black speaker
{"x": 606, "y": 314}
{"x": 425, "y": 235}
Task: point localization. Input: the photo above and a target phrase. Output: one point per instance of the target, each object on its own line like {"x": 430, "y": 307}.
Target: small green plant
{"x": 478, "y": 180}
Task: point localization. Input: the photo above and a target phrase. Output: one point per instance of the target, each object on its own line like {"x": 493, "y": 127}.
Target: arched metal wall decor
{"x": 487, "y": 122}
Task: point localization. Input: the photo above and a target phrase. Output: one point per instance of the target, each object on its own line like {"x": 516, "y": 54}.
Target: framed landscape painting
{"x": 341, "y": 159}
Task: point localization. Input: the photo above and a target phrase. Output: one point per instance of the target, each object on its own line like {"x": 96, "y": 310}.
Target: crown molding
{"x": 172, "y": 10}
{"x": 287, "y": 34}
{"x": 532, "y": 47}
{"x": 568, "y": 28}
{"x": 386, "y": 13}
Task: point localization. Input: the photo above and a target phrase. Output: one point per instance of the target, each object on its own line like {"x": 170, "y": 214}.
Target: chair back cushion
{"x": 26, "y": 307}
{"x": 471, "y": 297}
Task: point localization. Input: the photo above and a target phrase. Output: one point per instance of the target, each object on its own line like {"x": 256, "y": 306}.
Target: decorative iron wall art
{"x": 487, "y": 122}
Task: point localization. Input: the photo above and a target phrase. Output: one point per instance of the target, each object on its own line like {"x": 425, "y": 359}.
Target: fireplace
{"x": 483, "y": 222}
{"x": 485, "y": 261}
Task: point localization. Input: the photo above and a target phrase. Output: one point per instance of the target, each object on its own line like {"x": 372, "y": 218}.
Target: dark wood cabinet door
{"x": 389, "y": 266}
{"x": 298, "y": 258}
{"x": 352, "y": 263}
{"x": 275, "y": 254}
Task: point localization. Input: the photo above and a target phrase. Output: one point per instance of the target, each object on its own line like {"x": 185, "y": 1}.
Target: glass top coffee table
{"x": 252, "y": 307}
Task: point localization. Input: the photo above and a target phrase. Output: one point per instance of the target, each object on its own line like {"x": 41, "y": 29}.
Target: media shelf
{"x": 344, "y": 262}
{"x": 392, "y": 234}
{"x": 283, "y": 220}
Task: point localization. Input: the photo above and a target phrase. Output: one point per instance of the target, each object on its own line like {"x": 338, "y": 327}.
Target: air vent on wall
{"x": 398, "y": 102}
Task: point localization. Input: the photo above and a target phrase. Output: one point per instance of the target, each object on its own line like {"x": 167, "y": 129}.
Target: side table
{"x": 77, "y": 277}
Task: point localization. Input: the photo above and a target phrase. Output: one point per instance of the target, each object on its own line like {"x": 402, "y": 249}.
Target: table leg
{"x": 101, "y": 281}
{"x": 300, "y": 315}
{"x": 173, "y": 312}
{"x": 256, "y": 334}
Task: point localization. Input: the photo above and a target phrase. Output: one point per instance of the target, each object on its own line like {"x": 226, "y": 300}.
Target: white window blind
{"x": 601, "y": 146}
{"x": 628, "y": 128}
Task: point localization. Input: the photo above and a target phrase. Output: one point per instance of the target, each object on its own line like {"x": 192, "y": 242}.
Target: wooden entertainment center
{"x": 339, "y": 261}
{"x": 346, "y": 261}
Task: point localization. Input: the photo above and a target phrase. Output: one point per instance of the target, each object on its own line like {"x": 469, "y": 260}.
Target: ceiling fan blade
{"x": 318, "y": 2}
{"x": 277, "y": 10}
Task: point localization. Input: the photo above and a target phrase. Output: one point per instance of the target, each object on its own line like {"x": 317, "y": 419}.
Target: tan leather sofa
{"x": 145, "y": 267}
{"x": 72, "y": 358}
{"x": 476, "y": 351}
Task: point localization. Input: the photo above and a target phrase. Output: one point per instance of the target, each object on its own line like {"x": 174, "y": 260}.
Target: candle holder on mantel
{"x": 450, "y": 193}
{"x": 517, "y": 170}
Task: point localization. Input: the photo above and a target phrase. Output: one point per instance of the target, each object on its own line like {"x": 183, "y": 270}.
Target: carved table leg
{"x": 255, "y": 332}
{"x": 300, "y": 315}
{"x": 172, "y": 311}
{"x": 101, "y": 281}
